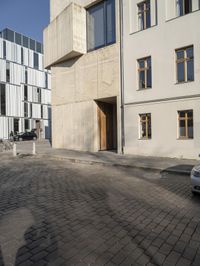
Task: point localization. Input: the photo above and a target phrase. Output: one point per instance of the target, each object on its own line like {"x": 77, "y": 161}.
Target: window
{"x": 36, "y": 61}
{"x": 32, "y": 44}
{"x": 185, "y": 119}
{"x": 25, "y": 92}
{"x": 38, "y": 47}
{"x": 16, "y": 125}
{"x": 144, "y": 73}
{"x": 25, "y": 41}
{"x": 41, "y": 111}
{"x": 101, "y": 25}
{"x": 25, "y": 109}
{"x": 26, "y": 124}
{"x": 39, "y": 95}
{"x": 185, "y": 64}
{"x": 18, "y": 38}
{"x": 184, "y": 7}
{"x": 22, "y": 55}
{"x": 8, "y": 35}
{"x": 2, "y": 99}
{"x": 26, "y": 75}
{"x": 31, "y": 110}
{"x": 46, "y": 80}
{"x": 144, "y": 15}
{"x": 4, "y": 49}
{"x": 7, "y": 72}
{"x": 145, "y": 126}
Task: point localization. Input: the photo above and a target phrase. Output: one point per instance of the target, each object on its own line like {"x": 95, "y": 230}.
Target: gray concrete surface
{"x": 55, "y": 212}
{"x": 173, "y": 165}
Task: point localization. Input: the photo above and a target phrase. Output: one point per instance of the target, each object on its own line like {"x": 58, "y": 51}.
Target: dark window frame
{"x": 106, "y": 43}
{"x": 2, "y": 99}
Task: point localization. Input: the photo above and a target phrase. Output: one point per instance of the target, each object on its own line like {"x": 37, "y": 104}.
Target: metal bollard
{"x": 34, "y": 149}
{"x": 14, "y": 150}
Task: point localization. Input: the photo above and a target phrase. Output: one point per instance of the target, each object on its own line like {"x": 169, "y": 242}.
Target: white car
{"x": 195, "y": 179}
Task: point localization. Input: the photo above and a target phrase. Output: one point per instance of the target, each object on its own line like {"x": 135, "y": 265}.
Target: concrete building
{"x": 25, "y": 87}
{"x": 161, "y": 41}
{"x": 82, "y": 48}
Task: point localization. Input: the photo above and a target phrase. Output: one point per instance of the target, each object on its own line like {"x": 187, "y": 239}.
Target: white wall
{"x": 160, "y": 42}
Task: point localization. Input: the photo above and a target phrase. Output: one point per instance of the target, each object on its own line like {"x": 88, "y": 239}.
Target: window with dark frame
{"x": 145, "y": 126}
{"x": 41, "y": 111}
{"x": 46, "y": 80}
{"x": 26, "y": 75}
{"x": 144, "y": 15}
{"x": 185, "y": 64}
{"x": 16, "y": 125}
{"x": 7, "y": 72}
{"x": 101, "y": 25}
{"x": 26, "y": 122}
{"x": 185, "y": 120}
{"x": 2, "y": 99}
{"x": 22, "y": 55}
{"x": 25, "y": 93}
{"x": 36, "y": 61}
{"x": 25, "y": 109}
{"x": 184, "y": 7}
{"x": 4, "y": 49}
{"x": 39, "y": 95}
{"x": 144, "y": 73}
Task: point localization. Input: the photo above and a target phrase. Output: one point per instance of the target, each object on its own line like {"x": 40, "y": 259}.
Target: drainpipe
{"x": 121, "y": 19}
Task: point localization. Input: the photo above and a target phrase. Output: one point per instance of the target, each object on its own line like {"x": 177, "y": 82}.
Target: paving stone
{"x": 95, "y": 215}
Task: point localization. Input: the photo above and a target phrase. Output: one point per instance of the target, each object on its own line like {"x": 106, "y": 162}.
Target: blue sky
{"x": 28, "y": 17}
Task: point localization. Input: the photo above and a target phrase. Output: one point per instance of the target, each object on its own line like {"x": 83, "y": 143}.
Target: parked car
{"x": 195, "y": 179}
{"x": 25, "y": 136}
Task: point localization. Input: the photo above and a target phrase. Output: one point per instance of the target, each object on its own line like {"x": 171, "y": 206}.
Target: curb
{"x": 93, "y": 162}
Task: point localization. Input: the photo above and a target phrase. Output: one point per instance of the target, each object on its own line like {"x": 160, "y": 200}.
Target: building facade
{"x": 82, "y": 48}
{"x": 25, "y": 87}
{"x": 161, "y": 41}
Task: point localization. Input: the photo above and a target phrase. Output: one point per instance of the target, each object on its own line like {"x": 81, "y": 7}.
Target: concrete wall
{"x": 57, "y": 6}
{"x": 160, "y": 42}
{"x": 76, "y": 84}
{"x": 65, "y": 37}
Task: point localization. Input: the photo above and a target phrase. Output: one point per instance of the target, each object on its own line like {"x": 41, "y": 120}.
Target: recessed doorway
{"x": 107, "y": 123}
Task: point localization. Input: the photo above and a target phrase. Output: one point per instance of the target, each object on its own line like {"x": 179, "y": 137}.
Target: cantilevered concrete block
{"x": 65, "y": 37}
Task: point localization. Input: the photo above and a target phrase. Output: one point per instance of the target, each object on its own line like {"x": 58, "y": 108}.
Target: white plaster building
{"x": 25, "y": 87}
{"x": 161, "y": 41}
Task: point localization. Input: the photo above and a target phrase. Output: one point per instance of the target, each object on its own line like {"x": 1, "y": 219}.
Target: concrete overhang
{"x": 65, "y": 37}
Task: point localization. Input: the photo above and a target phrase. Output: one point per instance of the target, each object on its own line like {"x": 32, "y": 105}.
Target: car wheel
{"x": 34, "y": 138}
{"x": 20, "y": 139}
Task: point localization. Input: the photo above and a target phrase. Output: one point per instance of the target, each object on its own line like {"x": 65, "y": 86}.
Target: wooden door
{"x": 105, "y": 120}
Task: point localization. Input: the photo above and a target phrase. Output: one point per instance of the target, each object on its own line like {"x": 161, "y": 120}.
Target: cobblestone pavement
{"x": 58, "y": 213}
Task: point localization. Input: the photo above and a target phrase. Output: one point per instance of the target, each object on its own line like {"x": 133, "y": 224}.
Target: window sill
{"x": 177, "y": 17}
{"x": 134, "y": 32}
{"x": 185, "y": 139}
{"x": 144, "y": 138}
{"x": 145, "y": 89}
{"x": 101, "y": 47}
{"x": 183, "y": 82}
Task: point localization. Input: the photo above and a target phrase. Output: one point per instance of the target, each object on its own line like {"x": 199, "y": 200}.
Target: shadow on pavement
{"x": 184, "y": 169}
